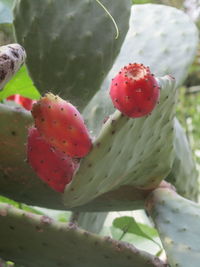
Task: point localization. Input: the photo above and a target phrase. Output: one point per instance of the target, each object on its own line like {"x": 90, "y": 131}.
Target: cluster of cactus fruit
{"x": 60, "y": 138}
{"x": 113, "y": 154}
{"x": 58, "y": 141}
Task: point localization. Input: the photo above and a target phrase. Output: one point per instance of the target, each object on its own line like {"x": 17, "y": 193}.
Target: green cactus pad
{"x": 70, "y": 45}
{"x": 147, "y": 45}
{"x": 151, "y": 53}
{"x": 12, "y": 57}
{"x": 17, "y": 180}
{"x": 32, "y": 240}
{"x": 137, "y": 152}
{"x": 124, "y": 198}
{"x": 91, "y": 221}
{"x": 161, "y": 37}
{"x": 178, "y": 223}
{"x": 184, "y": 175}
{"x": 97, "y": 111}
{"x": 183, "y": 169}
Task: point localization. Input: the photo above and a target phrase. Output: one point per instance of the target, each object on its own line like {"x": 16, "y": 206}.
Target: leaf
{"x": 63, "y": 217}
{"x": 6, "y": 15}
{"x": 129, "y": 225}
{"x": 20, "y": 84}
{"x": 19, "y": 205}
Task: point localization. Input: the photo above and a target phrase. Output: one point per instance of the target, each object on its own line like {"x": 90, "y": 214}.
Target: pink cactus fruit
{"x": 53, "y": 167}
{"x": 25, "y": 102}
{"x": 61, "y": 124}
{"x": 134, "y": 91}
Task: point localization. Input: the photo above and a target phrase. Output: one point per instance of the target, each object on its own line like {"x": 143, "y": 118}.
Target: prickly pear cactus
{"x": 147, "y": 137}
{"x": 45, "y": 242}
{"x": 178, "y": 222}
{"x": 79, "y": 36}
{"x": 130, "y": 158}
{"x": 158, "y": 49}
{"x": 18, "y": 181}
{"x": 91, "y": 221}
{"x": 161, "y": 37}
{"x": 183, "y": 166}
{"x": 139, "y": 46}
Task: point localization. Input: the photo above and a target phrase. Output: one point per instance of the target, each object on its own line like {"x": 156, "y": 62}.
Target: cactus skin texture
{"x": 134, "y": 91}
{"x": 19, "y": 182}
{"x": 17, "y": 179}
{"x": 79, "y": 36}
{"x": 184, "y": 166}
{"x": 145, "y": 162}
{"x": 52, "y": 166}
{"x": 178, "y": 223}
{"x": 90, "y": 221}
{"x": 168, "y": 45}
{"x": 45, "y": 242}
{"x": 12, "y": 57}
{"x": 62, "y": 126}
{"x": 162, "y": 50}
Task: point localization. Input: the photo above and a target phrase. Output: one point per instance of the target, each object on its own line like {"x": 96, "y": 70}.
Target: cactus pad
{"x": 184, "y": 175}
{"x": 178, "y": 223}
{"x": 136, "y": 152}
{"x": 33, "y": 240}
{"x": 161, "y": 37}
{"x": 17, "y": 180}
{"x": 72, "y": 52}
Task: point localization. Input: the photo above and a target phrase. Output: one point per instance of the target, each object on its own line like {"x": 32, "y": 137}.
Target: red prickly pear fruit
{"x": 27, "y": 103}
{"x": 61, "y": 124}
{"x": 52, "y": 166}
{"x": 134, "y": 91}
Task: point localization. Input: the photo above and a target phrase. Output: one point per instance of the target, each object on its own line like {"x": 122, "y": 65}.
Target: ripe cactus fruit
{"x": 61, "y": 124}
{"x": 27, "y": 103}
{"x": 53, "y": 167}
{"x": 134, "y": 91}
